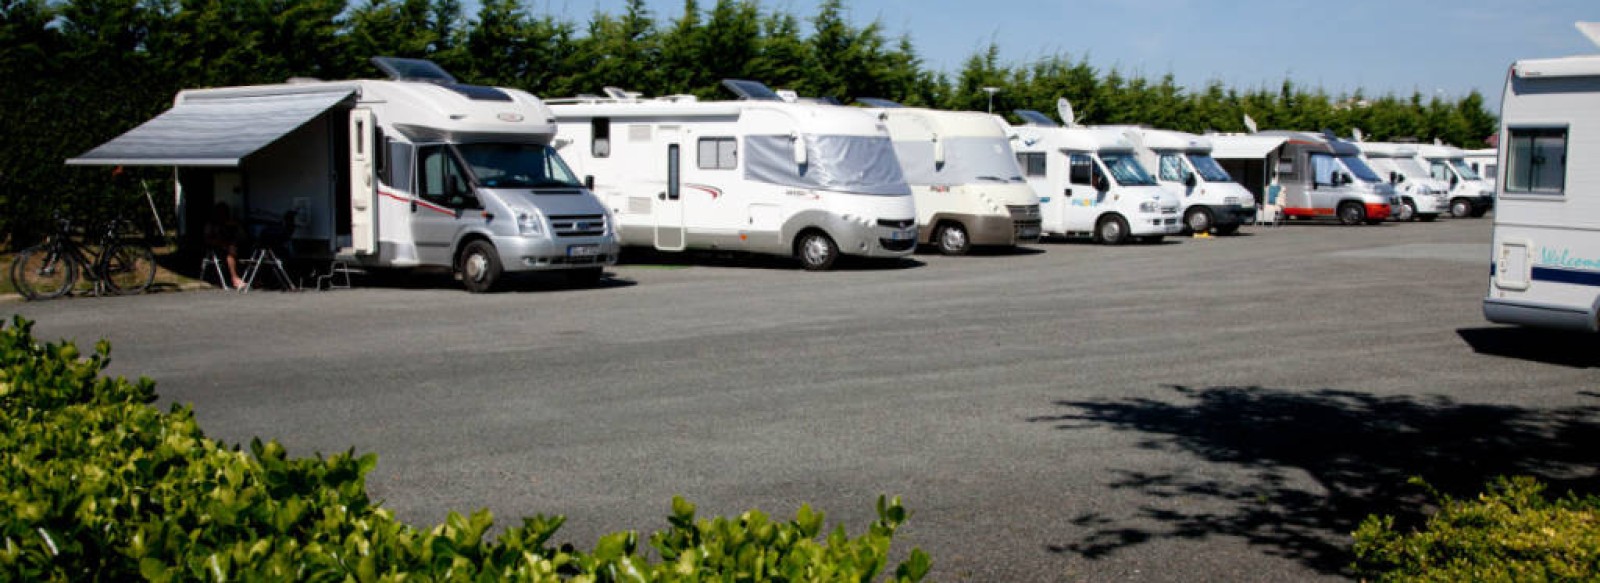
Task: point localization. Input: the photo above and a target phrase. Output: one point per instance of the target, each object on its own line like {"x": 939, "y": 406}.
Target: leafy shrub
{"x": 98, "y": 485}
{"x": 1510, "y": 533}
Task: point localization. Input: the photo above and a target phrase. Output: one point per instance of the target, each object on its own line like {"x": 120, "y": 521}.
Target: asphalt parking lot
{"x": 1200, "y": 410}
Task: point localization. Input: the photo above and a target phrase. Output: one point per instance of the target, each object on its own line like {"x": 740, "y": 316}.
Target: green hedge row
{"x": 99, "y": 485}
{"x": 1512, "y": 532}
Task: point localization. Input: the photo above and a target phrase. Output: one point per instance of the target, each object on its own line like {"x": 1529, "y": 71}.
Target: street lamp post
{"x": 991, "y": 91}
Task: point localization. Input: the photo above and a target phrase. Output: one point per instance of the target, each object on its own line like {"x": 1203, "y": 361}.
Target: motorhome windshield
{"x": 966, "y": 160}
{"x": 1464, "y": 170}
{"x": 517, "y": 166}
{"x": 1359, "y": 168}
{"x": 854, "y": 164}
{"x": 1409, "y": 167}
{"x": 1126, "y": 169}
{"x": 1208, "y": 168}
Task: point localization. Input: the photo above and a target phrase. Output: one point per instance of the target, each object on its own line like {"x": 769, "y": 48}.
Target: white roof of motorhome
{"x": 1579, "y": 66}
{"x": 944, "y": 123}
{"x": 222, "y": 126}
{"x": 816, "y": 118}
{"x": 1387, "y": 149}
{"x": 1243, "y": 147}
{"x": 1076, "y": 139}
{"x": 1437, "y": 151}
{"x": 1155, "y": 139}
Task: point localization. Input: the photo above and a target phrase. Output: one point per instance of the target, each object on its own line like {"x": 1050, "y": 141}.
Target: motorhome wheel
{"x": 952, "y": 239}
{"x": 1408, "y": 211}
{"x": 480, "y": 266}
{"x": 1351, "y": 214}
{"x": 1112, "y": 230}
{"x": 1460, "y": 208}
{"x": 816, "y": 251}
{"x": 1198, "y": 220}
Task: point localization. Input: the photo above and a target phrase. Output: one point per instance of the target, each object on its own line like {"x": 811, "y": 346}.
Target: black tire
{"x": 586, "y": 277}
{"x": 1460, "y": 208}
{"x": 1228, "y": 229}
{"x": 43, "y": 272}
{"x": 1112, "y": 230}
{"x": 1408, "y": 212}
{"x": 129, "y": 268}
{"x": 1198, "y": 220}
{"x": 816, "y": 251}
{"x": 952, "y": 239}
{"x": 1427, "y": 218}
{"x": 479, "y": 267}
{"x": 1351, "y": 214}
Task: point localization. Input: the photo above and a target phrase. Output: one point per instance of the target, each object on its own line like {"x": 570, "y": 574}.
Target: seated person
{"x": 223, "y": 236}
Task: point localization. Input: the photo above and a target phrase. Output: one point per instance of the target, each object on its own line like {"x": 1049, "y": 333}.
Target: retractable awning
{"x": 1244, "y": 147}
{"x": 213, "y": 130}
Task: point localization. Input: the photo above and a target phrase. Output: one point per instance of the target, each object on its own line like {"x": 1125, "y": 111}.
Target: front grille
{"x": 578, "y": 225}
{"x": 1023, "y": 211}
{"x": 1027, "y": 230}
{"x": 897, "y": 223}
{"x": 897, "y": 244}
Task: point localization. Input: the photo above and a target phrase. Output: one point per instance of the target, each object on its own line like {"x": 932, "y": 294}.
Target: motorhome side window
{"x": 1172, "y": 168}
{"x": 600, "y": 130}
{"x": 440, "y": 179}
{"x": 1033, "y": 163}
{"x": 1536, "y": 161}
{"x": 1081, "y": 169}
{"x": 1440, "y": 170}
{"x": 1323, "y": 167}
{"x": 719, "y": 153}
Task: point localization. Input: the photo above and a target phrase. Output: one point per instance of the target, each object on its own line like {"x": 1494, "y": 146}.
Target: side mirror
{"x": 1454, "y": 180}
{"x": 588, "y": 182}
{"x": 1190, "y": 180}
{"x": 1399, "y": 178}
{"x": 1394, "y": 178}
{"x": 1100, "y": 183}
{"x": 799, "y": 150}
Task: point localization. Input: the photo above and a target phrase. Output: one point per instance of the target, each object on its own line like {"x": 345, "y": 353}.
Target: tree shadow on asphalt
{"x": 1358, "y": 449}
{"x": 1558, "y": 347}
{"x": 639, "y": 256}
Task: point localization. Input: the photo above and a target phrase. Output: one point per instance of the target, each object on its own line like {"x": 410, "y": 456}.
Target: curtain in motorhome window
{"x": 1172, "y": 168}
{"x": 600, "y": 137}
{"x": 399, "y": 175}
{"x": 966, "y": 161}
{"x": 854, "y": 164}
{"x": 1033, "y": 163}
{"x": 718, "y": 153}
{"x": 1081, "y": 169}
{"x": 1536, "y": 161}
{"x": 1322, "y": 168}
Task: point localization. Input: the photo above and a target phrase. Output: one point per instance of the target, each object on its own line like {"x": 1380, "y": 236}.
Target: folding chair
{"x": 266, "y": 254}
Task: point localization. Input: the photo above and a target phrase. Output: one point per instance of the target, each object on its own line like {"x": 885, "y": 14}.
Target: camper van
{"x": 1317, "y": 176}
{"x": 758, "y": 175}
{"x": 1485, "y": 163}
{"x": 416, "y": 171}
{"x": 1183, "y": 163}
{"x": 1421, "y": 197}
{"x": 1470, "y": 196}
{"x": 963, "y": 176}
{"x": 1545, "y": 258}
{"x": 1090, "y": 182}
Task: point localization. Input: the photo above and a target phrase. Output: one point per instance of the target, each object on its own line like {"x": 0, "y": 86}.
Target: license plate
{"x": 583, "y": 250}
{"x": 902, "y": 235}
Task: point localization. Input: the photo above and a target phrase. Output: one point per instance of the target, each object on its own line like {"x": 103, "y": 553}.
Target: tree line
{"x": 79, "y": 72}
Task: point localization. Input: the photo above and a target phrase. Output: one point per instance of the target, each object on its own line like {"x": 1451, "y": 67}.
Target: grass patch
{"x": 166, "y": 279}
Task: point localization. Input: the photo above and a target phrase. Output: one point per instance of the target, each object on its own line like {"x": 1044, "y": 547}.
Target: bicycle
{"x": 50, "y": 269}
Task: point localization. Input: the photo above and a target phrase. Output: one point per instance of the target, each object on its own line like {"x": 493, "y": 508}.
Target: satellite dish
{"x": 1064, "y": 109}
{"x": 1438, "y": 142}
{"x": 1250, "y": 123}
{"x": 1358, "y": 135}
{"x": 1590, "y": 30}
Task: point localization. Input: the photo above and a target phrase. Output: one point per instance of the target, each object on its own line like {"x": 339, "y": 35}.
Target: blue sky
{"x": 1444, "y": 47}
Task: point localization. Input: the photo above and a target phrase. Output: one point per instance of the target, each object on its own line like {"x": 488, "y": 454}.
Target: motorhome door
{"x": 443, "y": 196}
{"x": 363, "y": 184}
{"x": 1082, "y": 197}
{"x": 669, "y": 202}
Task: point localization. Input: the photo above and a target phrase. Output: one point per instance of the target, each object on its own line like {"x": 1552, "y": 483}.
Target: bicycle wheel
{"x": 128, "y": 268}
{"x": 44, "y": 272}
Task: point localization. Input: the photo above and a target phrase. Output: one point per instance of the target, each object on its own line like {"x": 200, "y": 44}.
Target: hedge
{"x": 1512, "y": 532}
{"x": 99, "y": 485}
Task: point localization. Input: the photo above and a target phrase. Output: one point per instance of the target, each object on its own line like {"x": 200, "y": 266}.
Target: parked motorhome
{"x": 1090, "y": 182}
{"x": 1483, "y": 162}
{"x": 1183, "y": 163}
{"x": 758, "y": 175}
{"x": 1470, "y": 196}
{"x": 1319, "y": 176}
{"x": 964, "y": 177}
{"x": 416, "y": 171}
{"x": 1421, "y": 197}
{"x": 1545, "y": 259}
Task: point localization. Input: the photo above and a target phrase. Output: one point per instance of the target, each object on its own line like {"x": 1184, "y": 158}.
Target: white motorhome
{"x": 1470, "y": 196}
{"x": 1183, "y": 163}
{"x": 1545, "y": 259}
{"x": 1483, "y": 162}
{"x": 757, "y": 175}
{"x": 1421, "y": 197}
{"x": 1090, "y": 182}
{"x": 1318, "y": 176}
{"x": 964, "y": 177}
{"x": 417, "y": 171}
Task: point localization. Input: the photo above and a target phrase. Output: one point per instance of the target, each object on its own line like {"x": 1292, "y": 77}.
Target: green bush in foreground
{"x": 98, "y": 485}
{"x": 1510, "y": 533}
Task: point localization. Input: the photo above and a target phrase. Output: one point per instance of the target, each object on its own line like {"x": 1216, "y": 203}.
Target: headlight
{"x": 1148, "y": 206}
{"x": 530, "y": 223}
